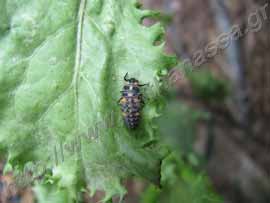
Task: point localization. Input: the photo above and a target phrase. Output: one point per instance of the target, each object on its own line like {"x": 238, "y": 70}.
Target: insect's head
{"x": 133, "y": 80}
{"x": 130, "y": 80}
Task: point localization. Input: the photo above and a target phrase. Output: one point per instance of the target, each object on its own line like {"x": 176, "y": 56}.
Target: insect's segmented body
{"x": 131, "y": 102}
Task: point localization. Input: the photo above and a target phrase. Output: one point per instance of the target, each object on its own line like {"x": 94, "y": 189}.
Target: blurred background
{"x": 218, "y": 116}
{"x": 232, "y": 85}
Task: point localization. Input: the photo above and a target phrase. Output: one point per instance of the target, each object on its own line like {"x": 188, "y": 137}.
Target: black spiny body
{"x": 131, "y": 102}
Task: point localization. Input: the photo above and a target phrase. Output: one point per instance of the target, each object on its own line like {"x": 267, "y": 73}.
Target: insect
{"x": 131, "y": 102}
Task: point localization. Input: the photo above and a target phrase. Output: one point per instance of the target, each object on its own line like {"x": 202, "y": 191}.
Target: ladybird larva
{"x": 131, "y": 102}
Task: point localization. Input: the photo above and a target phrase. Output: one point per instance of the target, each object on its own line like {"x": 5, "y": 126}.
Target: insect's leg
{"x": 142, "y": 102}
{"x": 118, "y": 102}
{"x": 142, "y": 99}
{"x": 125, "y": 78}
{"x": 141, "y": 85}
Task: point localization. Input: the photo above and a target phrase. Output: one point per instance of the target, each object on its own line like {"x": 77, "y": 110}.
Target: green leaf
{"x": 181, "y": 184}
{"x": 62, "y": 64}
{"x": 178, "y": 126}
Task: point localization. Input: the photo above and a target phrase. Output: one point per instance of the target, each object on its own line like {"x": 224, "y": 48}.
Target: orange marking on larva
{"x": 123, "y": 100}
